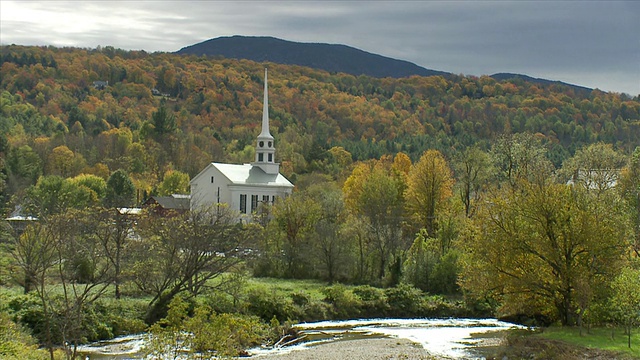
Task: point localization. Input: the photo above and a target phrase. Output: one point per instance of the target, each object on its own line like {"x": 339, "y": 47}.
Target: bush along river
{"x": 441, "y": 338}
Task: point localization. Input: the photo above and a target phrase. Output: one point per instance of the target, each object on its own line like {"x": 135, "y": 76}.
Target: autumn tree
{"x": 430, "y": 184}
{"x": 174, "y": 182}
{"x": 472, "y": 170}
{"x": 64, "y": 162}
{"x": 376, "y": 194}
{"x": 536, "y": 247}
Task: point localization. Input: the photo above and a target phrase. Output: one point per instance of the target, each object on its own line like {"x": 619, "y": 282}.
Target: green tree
{"x": 421, "y": 260}
{"x": 332, "y": 247}
{"x": 24, "y": 167}
{"x": 53, "y": 195}
{"x": 93, "y": 183}
{"x": 535, "y": 248}
{"x": 295, "y": 217}
{"x": 629, "y": 187}
{"x": 626, "y": 299}
{"x": 164, "y": 123}
{"x": 120, "y": 190}
{"x": 205, "y": 334}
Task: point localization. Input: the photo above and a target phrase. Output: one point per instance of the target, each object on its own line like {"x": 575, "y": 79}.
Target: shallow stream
{"x": 448, "y": 338}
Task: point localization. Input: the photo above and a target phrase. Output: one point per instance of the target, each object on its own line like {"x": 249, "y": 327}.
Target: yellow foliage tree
{"x": 430, "y": 184}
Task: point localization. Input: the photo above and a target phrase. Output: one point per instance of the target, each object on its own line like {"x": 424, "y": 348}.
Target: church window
{"x": 243, "y": 203}
{"x": 212, "y": 179}
{"x": 260, "y": 157}
{"x": 261, "y": 143}
{"x": 269, "y": 143}
{"x": 265, "y": 199}
{"x": 273, "y": 199}
{"x": 254, "y": 203}
{"x": 270, "y": 157}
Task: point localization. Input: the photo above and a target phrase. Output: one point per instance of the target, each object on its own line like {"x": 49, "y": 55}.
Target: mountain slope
{"x": 510, "y": 76}
{"x": 329, "y": 57}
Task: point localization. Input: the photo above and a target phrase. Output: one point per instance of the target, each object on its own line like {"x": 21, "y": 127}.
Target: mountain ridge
{"x": 329, "y": 57}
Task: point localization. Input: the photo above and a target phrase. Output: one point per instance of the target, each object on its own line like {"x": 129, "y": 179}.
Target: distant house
{"x": 157, "y": 92}
{"x": 19, "y": 221}
{"x": 243, "y": 188}
{"x": 166, "y": 205}
{"x": 100, "y": 85}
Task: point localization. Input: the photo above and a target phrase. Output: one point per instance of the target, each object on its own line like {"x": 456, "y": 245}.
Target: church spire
{"x": 265, "y": 147}
{"x": 265, "y": 111}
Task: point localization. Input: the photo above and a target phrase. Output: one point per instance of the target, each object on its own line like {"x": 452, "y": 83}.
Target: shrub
{"x": 373, "y": 301}
{"x": 266, "y": 305}
{"x": 344, "y": 303}
{"x": 405, "y": 300}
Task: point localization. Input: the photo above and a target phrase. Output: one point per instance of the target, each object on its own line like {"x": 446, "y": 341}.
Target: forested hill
{"x": 55, "y": 120}
{"x": 329, "y": 57}
{"x": 510, "y": 76}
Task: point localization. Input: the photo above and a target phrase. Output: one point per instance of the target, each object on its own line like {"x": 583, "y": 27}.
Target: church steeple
{"x": 265, "y": 147}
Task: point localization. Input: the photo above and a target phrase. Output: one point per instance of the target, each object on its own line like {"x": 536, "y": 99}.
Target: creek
{"x": 448, "y": 338}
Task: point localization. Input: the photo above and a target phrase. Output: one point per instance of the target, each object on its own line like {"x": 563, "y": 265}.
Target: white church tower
{"x": 265, "y": 147}
{"x": 243, "y": 187}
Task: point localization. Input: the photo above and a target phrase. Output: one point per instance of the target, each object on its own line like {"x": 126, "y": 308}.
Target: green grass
{"x": 598, "y": 338}
{"x": 287, "y": 286}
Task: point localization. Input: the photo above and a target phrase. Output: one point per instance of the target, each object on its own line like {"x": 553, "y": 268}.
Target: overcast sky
{"x": 589, "y": 43}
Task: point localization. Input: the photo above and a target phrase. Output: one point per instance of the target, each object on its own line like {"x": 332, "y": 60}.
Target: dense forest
{"x": 509, "y": 197}
{"x": 212, "y": 108}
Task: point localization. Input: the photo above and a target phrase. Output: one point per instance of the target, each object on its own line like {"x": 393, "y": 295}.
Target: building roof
{"x": 174, "y": 202}
{"x": 248, "y": 174}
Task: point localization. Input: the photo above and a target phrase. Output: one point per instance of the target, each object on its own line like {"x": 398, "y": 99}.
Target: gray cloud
{"x": 595, "y": 44}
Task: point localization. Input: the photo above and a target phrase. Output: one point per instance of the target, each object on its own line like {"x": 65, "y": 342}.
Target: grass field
{"x": 286, "y": 286}
{"x": 600, "y": 338}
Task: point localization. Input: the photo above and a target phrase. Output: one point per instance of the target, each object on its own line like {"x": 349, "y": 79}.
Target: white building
{"x": 243, "y": 187}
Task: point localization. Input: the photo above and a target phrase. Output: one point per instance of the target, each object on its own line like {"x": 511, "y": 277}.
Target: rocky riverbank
{"x": 355, "y": 349}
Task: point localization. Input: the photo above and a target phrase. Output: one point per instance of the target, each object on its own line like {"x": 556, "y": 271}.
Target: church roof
{"x": 248, "y": 174}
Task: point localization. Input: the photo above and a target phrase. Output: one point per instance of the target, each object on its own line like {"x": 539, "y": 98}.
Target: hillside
{"x": 213, "y": 110}
{"x": 329, "y": 57}
{"x": 511, "y": 76}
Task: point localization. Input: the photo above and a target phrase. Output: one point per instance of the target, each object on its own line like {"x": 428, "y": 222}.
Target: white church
{"x": 245, "y": 187}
